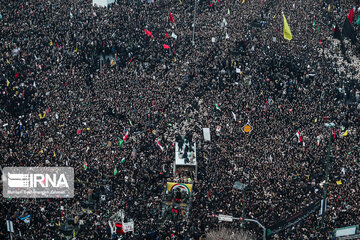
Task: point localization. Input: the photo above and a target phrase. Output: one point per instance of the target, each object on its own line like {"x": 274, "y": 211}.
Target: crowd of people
{"x": 224, "y": 64}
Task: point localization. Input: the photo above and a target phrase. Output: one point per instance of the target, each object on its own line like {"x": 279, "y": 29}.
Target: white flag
{"x": 227, "y": 36}
{"x": 234, "y": 115}
{"x": 174, "y": 35}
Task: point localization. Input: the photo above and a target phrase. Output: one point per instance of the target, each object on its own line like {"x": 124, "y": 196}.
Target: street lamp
{"x": 327, "y": 125}
{"x": 193, "y": 25}
{"x": 241, "y": 187}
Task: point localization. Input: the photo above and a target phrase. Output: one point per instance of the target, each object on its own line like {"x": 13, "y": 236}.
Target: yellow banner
{"x": 172, "y": 185}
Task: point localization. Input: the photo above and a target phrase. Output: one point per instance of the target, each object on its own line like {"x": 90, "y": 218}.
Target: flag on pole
{"x": 167, "y": 35}
{"x": 166, "y": 46}
{"x": 348, "y": 30}
{"x": 161, "y": 147}
{"x": 120, "y": 142}
{"x": 358, "y": 21}
{"x": 171, "y": 18}
{"x": 234, "y": 115}
{"x": 85, "y": 167}
{"x": 329, "y": 7}
{"x": 131, "y": 123}
{"x": 115, "y": 171}
{"x": 337, "y": 33}
{"x": 228, "y": 11}
{"x": 217, "y": 107}
{"x": 299, "y": 136}
{"x": 126, "y": 136}
{"x": 286, "y": 30}
{"x": 345, "y": 133}
{"x": 148, "y": 33}
{"x": 7, "y": 82}
{"x": 351, "y": 16}
{"x": 338, "y": 182}
{"x": 243, "y": 1}
{"x": 317, "y": 141}
{"x": 123, "y": 160}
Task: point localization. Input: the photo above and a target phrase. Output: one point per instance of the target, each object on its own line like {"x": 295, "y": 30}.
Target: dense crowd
{"x": 58, "y": 107}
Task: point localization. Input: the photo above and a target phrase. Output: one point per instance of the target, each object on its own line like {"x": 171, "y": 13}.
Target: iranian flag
{"x": 299, "y": 136}
{"x": 85, "y": 165}
{"x": 318, "y": 141}
{"x": 161, "y": 147}
{"x": 126, "y": 135}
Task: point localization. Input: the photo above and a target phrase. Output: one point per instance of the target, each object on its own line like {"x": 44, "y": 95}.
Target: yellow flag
{"x": 59, "y": 223}
{"x": 51, "y": 43}
{"x": 243, "y": 1}
{"x": 329, "y": 8}
{"x": 54, "y": 154}
{"x": 287, "y": 31}
{"x": 7, "y": 61}
{"x": 345, "y": 133}
{"x": 7, "y": 82}
{"x": 315, "y": 120}
{"x": 338, "y": 182}
{"x": 174, "y": 59}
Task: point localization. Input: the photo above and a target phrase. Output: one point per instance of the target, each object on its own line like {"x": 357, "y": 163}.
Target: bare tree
{"x": 228, "y": 234}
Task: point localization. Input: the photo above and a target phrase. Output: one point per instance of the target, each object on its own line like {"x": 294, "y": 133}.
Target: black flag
{"x": 348, "y": 31}
{"x": 337, "y": 33}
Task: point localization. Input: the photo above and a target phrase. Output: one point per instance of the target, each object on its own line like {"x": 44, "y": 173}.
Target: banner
{"x": 128, "y": 227}
{"x": 304, "y": 213}
{"x": 172, "y": 186}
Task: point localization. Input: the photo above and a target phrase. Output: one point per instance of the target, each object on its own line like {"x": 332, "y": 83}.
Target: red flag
{"x": 175, "y": 52}
{"x": 23, "y": 94}
{"x": 57, "y": 45}
{"x": 166, "y": 46}
{"x": 17, "y": 75}
{"x": 119, "y": 228}
{"x": 78, "y": 131}
{"x": 148, "y": 32}
{"x": 167, "y": 35}
{"x": 171, "y": 18}
{"x": 350, "y": 16}
{"x": 211, "y": 4}
{"x": 130, "y": 60}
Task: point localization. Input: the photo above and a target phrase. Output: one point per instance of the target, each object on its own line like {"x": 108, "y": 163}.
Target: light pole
{"x": 241, "y": 187}
{"x": 328, "y": 125}
{"x": 193, "y": 33}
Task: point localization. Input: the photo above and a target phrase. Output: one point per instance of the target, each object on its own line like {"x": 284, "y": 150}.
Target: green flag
{"x": 358, "y": 21}
{"x": 229, "y": 11}
{"x": 122, "y": 160}
{"x": 120, "y": 142}
{"x": 115, "y": 171}
{"x": 314, "y": 23}
{"x": 217, "y": 107}
{"x": 130, "y": 122}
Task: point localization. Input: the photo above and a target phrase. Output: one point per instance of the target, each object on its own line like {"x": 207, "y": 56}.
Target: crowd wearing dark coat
{"x": 156, "y": 94}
